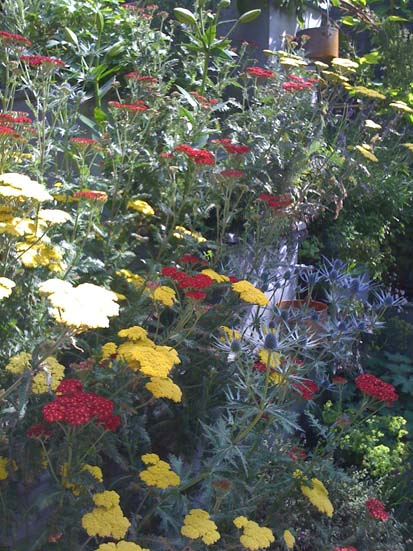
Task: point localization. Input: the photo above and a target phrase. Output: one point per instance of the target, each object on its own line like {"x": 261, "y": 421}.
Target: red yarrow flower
{"x": 91, "y": 195}
{"x": 307, "y": 389}
{"x": 169, "y": 271}
{"x": 339, "y": 380}
{"x": 196, "y": 295}
{"x": 7, "y": 131}
{"x": 259, "y": 72}
{"x": 17, "y": 39}
{"x": 345, "y": 549}
{"x": 376, "y": 388}
{"x": 200, "y": 156}
{"x": 276, "y": 202}
{"x": 232, "y": 173}
{"x": 38, "y": 430}
{"x": 297, "y": 453}
{"x": 188, "y": 259}
{"x": 199, "y": 281}
{"x": 376, "y": 509}
{"x": 259, "y": 366}
{"x": 136, "y": 106}
{"x": 134, "y": 75}
{"x": 236, "y": 149}
{"x": 84, "y": 142}
{"x": 15, "y": 117}
{"x": 39, "y": 60}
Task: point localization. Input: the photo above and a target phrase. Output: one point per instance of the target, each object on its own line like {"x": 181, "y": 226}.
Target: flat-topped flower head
{"x": 198, "y": 525}
{"x": 19, "y": 186}
{"x": 41, "y": 61}
{"x": 376, "y": 509}
{"x": 254, "y": 536}
{"x": 318, "y": 495}
{"x": 158, "y": 473}
{"x": 249, "y": 293}
{"x": 376, "y": 388}
{"x": 14, "y": 39}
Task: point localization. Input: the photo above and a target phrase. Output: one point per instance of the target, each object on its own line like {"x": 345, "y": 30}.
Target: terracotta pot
{"x": 306, "y": 306}
{"x": 322, "y": 44}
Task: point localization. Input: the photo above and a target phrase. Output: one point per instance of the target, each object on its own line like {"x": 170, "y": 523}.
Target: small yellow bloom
{"x": 3, "y": 467}
{"x": 219, "y": 278}
{"x": 289, "y": 539}
{"x": 408, "y": 146}
{"x": 230, "y": 334}
{"x": 135, "y": 333}
{"x": 371, "y": 125}
{"x": 343, "y": 63}
{"x": 164, "y": 294}
{"x": 164, "y": 388}
{"x": 254, "y": 536}
{"x": 6, "y": 286}
{"x": 158, "y": 473}
{"x": 197, "y": 524}
{"x": 141, "y": 206}
{"x": 121, "y": 546}
{"x": 365, "y": 150}
{"x": 368, "y": 92}
{"x": 401, "y": 106}
{"x": 181, "y": 232}
{"x": 106, "y": 519}
{"x": 109, "y": 349}
{"x": 249, "y": 293}
{"x": 318, "y": 495}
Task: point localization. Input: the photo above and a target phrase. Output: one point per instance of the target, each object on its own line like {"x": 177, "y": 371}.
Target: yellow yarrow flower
{"x": 109, "y": 349}
{"x": 318, "y": 496}
{"x": 254, "y": 536}
{"x": 19, "y": 363}
{"x": 343, "y": 63}
{"x": 197, "y": 524}
{"x": 6, "y": 286}
{"x": 219, "y": 278}
{"x": 408, "y": 146}
{"x": 84, "y": 307}
{"x": 4, "y": 462}
{"x": 33, "y": 255}
{"x": 94, "y": 470}
{"x": 130, "y": 277}
{"x": 368, "y": 92}
{"x": 158, "y": 473}
{"x": 106, "y": 519}
{"x": 121, "y": 546}
{"x": 141, "y": 206}
{"x": 231, "y": 334}
{"x": 365, "y": 150}
{"x": 164, "y": 294}
{"x": 52, "y": 372}
{"x": 401, "y": 106}
{"x": 249, "y": 293}
{"x": 154, "y": 361}
{"x": 371, "y": 125}
{"x": 181, "y": 232}
{"x": 135, "y": 333}
{"x": 289, "y": 539}
{"x": 164, "y": 388}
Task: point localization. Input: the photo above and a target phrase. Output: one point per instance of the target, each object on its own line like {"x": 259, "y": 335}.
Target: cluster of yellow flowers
{"x": 34, "y": 253}
{"x": 4, "y": 462}
{"x": 141, "y": 206}
{"x": 249, "y": 293}
{"x": 181, "y": 232}
{"x": 106, "y": 519}
{"x": 289, "y": 539}
{"x": 121, "y": 546}
{"x": 318, "y": 495}
{"x": 215, "y": 276}
{"x": 162, "y": 293}
{"x": 6, "y": 286}
{"x": 94, "y": 470}
{"x": 254, "y": 536}
{"x": 52, "y": 372}
{"x": 142, "y": 354}
{"x": 21, "y": 187}
{"x": 158, "y": 473}
{"x": 197, "y": 524}
{"x": 86, "y": 306}
{"x": 229, "y": 334}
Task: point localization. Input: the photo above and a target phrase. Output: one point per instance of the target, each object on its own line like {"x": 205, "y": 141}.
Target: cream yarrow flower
{"x": 289, "y": 539}
{"x": 106, "y": 519}
{"x": 366, "y": 151}
{"x": 54, "y": 216}
{"x": 19, "y": 186}
{"x": 401, "y": 106}
{"x": 197, "y": 524}
{"x": 318, "y": 495}
{"x": 6, "y": 286}
{"x": 158, "y": 473}
{"x": 84, "y": 307}
{"x": 254, "y": 536}
{"x": 164, "y": 388}
{"x": 141, "y": 206}
{"x": 249, "y": 293}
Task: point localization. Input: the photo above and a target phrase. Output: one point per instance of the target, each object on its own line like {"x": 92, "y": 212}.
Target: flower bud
{"x": 270, "y": 342}
{"x": 184, "y": 16}
{"x": 249, "y": 16}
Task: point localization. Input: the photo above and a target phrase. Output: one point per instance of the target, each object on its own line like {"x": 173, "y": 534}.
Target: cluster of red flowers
{"x": 345, "y": 549}
{"x": 295, "y": 82}
{"x": 307, "y": 389}
{"x": 376, "y": 388}
{"x": 236, "y": 149}
{"x": 84, "y": 142}
{"x": 232, "y": 173}
{"x": 38, "y": 430}
{"x": 205, "y": 102}
{"x": 200, "y": 156}
{"x": 190, "y": 259}
{"x": 76, "y": 407}
{"x": 134, "y": 75}
{"x": 259, "y": 72}
{"x": 191, "y": 284}
{"x": 38, "y": 60}
{"x": 297, "y": 453}
{"x": 339, "y": 380}
{"x": 15, "y": 39}
{"x": 260, "y": 366}
{"x": 276, "y": 202}
{"x": 7, "y": 131}
{"x": 15, "y": 117}
{"x": 91, "y": 195}
{"x": 376, "y": 509}
{"x": 138, "y": 105}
